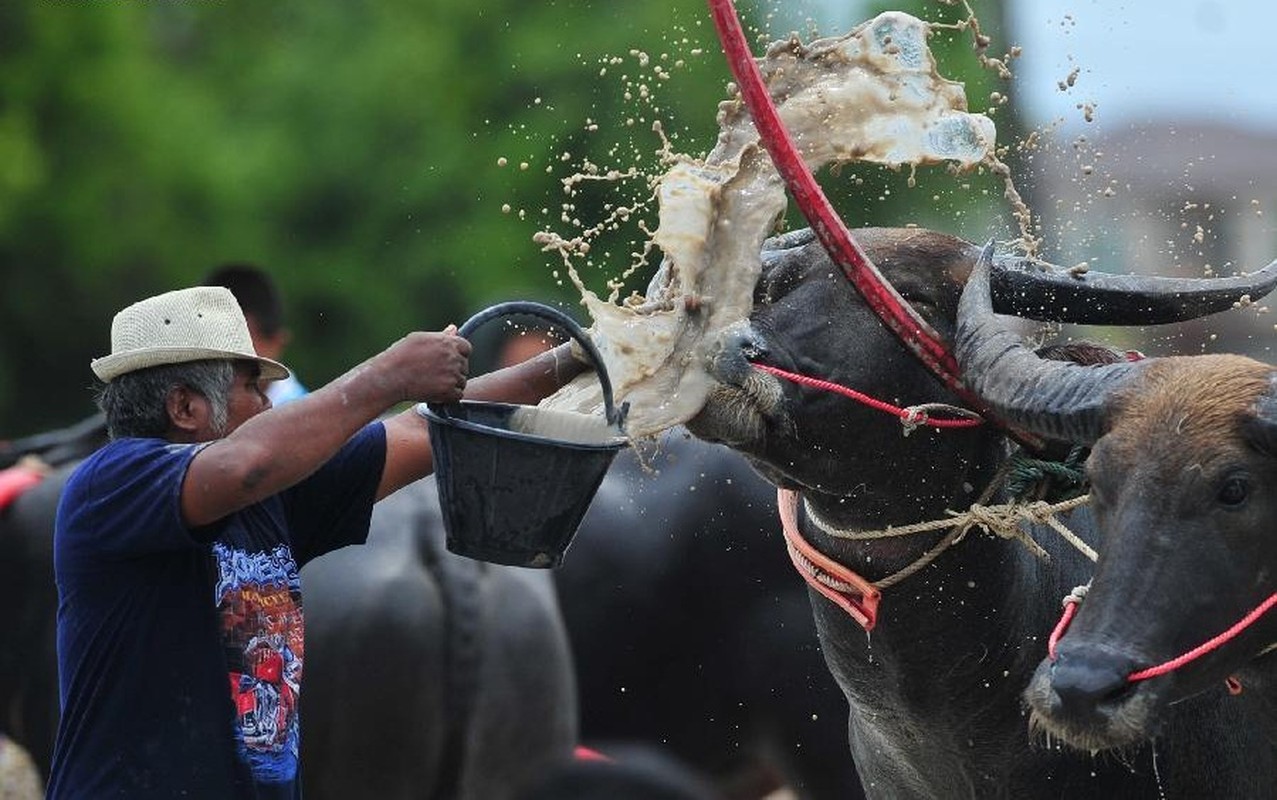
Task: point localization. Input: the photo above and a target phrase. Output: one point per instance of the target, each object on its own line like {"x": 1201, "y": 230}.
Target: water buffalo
{"x": 1183, "y": 476}
{"x": 28, "y": 659}
{"x": 689, "y": 633}
{"x": 429, "y": 675}
{"x": 935, "y": 689}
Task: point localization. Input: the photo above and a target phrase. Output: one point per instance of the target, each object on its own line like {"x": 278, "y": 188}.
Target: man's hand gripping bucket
{"x": 515, "y": 481}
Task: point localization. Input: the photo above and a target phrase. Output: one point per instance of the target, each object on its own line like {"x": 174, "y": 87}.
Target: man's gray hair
{"x": 134, "y": 403}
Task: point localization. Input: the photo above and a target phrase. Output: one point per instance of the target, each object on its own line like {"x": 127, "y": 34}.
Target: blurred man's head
{"x": 260, "y": 300}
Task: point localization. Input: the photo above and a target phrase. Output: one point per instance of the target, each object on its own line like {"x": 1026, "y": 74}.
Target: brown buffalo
{"x": 1183, "y": 476}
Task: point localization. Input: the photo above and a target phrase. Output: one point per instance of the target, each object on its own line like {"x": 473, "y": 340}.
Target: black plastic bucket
{"x": 515, "y": 481}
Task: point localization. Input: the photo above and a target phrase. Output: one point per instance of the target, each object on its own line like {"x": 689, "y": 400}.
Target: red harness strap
{"x": 15, "y": 480}
{"x": 846, "y": 589}
{"x": 1215, "y": 642}
{"x": 911, "y": 417}
{"x": 583, "y": 753}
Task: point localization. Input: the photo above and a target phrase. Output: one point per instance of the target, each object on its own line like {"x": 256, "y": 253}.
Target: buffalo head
{"x": 808, "y": 318}
{"x": 1183, "y": 476}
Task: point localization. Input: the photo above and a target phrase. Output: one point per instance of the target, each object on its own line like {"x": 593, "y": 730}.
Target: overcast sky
{"x": 1178, "y": 58}
{"x": 1137, "y": 59}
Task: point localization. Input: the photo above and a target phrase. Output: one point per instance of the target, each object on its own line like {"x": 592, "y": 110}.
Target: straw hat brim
{"x": 116, "y": 364}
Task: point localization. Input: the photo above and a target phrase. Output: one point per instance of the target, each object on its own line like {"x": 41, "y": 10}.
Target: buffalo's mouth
{"x": 746, "y": 403}
{"x": 1102, "y": 714}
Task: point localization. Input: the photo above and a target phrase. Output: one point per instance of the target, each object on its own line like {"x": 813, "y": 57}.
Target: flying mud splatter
{"x": 873, "y": 95}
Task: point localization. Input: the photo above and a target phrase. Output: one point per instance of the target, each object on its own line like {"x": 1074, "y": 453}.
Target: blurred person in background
{"x": 260, "y": 300}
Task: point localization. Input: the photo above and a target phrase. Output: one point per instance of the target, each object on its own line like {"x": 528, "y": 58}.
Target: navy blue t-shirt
{"x": 180, "y": 650}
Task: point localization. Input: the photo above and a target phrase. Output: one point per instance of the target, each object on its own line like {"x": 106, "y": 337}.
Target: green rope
{"x": 1055, "y": 480}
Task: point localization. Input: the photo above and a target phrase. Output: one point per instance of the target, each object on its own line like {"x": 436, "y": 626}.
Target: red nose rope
{"x": 900, "y": 317}
{"x": 1075, "y": 599}
{"x": 911, "y": 417}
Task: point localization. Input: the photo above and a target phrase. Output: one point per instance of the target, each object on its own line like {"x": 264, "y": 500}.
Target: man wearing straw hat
{"x": 178, "y": 544}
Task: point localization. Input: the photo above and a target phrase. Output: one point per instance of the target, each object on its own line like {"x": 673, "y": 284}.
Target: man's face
{"x": 247, "y": 397}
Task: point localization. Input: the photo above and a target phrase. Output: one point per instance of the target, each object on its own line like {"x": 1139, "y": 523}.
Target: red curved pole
{"x": 912, "y": 330}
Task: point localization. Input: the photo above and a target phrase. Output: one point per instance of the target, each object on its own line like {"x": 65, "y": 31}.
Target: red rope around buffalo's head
{"x": 1070, "y": 609}
{"x": 1213, "y": 643}
{"x": 911, "y": 417}
{"x": 1166, "y": 667}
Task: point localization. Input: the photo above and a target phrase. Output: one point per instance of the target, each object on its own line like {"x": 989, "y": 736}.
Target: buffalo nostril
{"x": 752, "y": 350}
{"x": 745, "y": 341}
{"x": 735, "y": 352}
{"x": 1081, "y": 685}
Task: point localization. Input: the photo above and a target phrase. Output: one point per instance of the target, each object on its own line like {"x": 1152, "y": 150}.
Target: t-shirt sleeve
{"x": 126, "y": 501}
{"x": 333, "y": 507}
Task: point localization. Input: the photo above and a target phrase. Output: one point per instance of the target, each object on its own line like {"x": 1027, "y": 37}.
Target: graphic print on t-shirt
{"x": 258, "y": 596}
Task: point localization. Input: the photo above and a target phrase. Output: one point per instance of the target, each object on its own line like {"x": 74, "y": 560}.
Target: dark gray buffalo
{"x": 691, "y": 632}
{"x": 430, "y": 675}
{"x": 28, "y": 658}
{"x": 935, "y": 690}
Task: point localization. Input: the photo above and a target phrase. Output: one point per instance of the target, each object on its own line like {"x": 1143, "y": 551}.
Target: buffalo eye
{"x": 1233, "y": 492}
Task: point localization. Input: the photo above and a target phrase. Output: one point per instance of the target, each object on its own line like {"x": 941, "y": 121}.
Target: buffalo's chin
{"x": 730, "y": 417}
{"x": 1123, "y": 722}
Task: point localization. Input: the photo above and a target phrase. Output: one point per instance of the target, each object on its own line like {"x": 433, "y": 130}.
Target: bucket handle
{"x": 613, "y": 415}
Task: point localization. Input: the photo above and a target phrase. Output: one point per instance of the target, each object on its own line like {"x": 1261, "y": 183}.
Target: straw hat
{"x": 194, "y": 324}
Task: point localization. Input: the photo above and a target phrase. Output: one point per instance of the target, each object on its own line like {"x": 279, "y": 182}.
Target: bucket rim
{"x": 613, "y": 415}
{"x": 426, "y": 411}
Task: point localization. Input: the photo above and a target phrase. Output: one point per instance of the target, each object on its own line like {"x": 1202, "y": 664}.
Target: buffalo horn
{"x": 1025, "y": 288}
{"x": 1054, "y": 399}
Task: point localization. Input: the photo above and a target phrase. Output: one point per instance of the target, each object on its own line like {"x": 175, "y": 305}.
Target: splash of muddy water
{"x": 873, "y": 94}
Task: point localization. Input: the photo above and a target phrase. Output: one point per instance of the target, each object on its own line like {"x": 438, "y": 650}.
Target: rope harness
{"x": 910, "y": 417}
{"x": 860, "y": 597}
{"x": 1075, "y": 598}
{"x": 1019, "y": 475}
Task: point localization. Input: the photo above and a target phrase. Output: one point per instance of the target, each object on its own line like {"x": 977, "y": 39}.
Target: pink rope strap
{"x": 1070, "y": 609}
{"x": 1208, "y": 645}
{"x": 1214, "y": 643}
{"x": 836, "y": 582}
{"x": 911, "y": 417}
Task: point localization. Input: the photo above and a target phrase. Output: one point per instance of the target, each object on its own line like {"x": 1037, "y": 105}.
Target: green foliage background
{"x": 352, "y": 148}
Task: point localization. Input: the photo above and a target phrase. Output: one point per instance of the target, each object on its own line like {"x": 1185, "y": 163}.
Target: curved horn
{"x": 1032, "y": 289}
{"x": 1055, "y": 399}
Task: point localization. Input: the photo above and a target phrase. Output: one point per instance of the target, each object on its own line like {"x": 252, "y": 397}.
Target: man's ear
{"x": 186, "y": 409}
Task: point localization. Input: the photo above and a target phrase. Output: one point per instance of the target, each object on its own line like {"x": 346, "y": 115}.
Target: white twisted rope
{"x": 1000, "y": 520}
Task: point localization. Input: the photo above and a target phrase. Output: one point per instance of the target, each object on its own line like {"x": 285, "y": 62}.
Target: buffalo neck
{"x": 955, "y": 643}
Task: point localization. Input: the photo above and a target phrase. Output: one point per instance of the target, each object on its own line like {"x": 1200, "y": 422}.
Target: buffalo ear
{"x": 1261, "y": 428}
